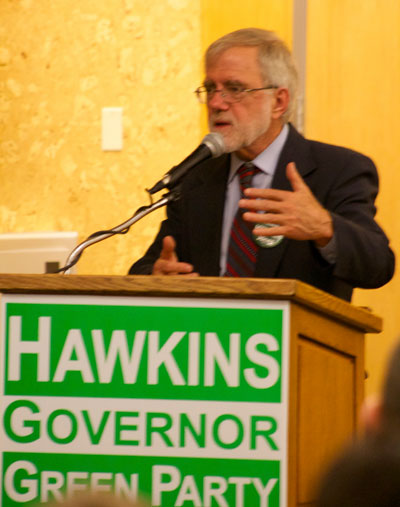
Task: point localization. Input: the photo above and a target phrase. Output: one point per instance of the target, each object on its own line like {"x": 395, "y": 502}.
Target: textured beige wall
{"x": 61, "y": 62}
{"x": 353, "y": 82}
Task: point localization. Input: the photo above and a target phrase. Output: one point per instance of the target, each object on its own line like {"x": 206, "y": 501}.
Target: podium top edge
{"x": 209, "y": 287}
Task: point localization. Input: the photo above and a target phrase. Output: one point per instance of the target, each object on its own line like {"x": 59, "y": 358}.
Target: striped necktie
{"x": 242, "y": 250}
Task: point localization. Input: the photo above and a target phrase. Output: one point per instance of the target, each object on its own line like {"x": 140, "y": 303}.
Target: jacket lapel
{"x": 295, "y": 150}
{"x": 207, "y": 198}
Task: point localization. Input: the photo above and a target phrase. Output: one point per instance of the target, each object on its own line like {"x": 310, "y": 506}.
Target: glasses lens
{"x": 229, "y": 94}
{"x": 201, "y": 95}
{"x": 233, "y": 94}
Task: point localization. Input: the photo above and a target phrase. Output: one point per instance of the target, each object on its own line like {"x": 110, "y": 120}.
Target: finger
{"x": 266, "y": 193}
{"x": 294, "y": 177}
{"x": 163, "y": 267}
{"x": 262, "y": 205}
{"x": 263, "y": 218}
{"x": 182, "y": 268}
{"x": 168, "y": 249}
{"x": 270, "y": 231}
{"x": 160, "y": 267}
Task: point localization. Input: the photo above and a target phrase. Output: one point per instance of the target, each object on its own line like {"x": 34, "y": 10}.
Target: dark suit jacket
{"x": 345, "y": 182}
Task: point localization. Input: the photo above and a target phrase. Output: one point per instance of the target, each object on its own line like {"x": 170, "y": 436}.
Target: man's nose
{"x": 217, "y": 101}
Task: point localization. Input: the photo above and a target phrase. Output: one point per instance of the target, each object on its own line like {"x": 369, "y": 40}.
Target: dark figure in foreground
{"x": 366, "y": 474}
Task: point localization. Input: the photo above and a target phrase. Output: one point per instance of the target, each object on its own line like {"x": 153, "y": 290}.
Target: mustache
{"x": 221, "y": 118}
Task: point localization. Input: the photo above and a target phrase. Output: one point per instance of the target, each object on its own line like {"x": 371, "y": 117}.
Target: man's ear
{"x": 281, "y": 103}
{"x": 371, "y": 414}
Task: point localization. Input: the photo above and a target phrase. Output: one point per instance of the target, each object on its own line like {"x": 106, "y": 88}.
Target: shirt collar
{"x": 267, "y": 160}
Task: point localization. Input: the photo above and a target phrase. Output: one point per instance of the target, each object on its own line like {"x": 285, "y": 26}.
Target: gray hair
{"x": 276, "y": 62}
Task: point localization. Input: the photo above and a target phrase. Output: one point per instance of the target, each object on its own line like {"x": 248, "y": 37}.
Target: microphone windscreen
{"x": 215, "y": 143}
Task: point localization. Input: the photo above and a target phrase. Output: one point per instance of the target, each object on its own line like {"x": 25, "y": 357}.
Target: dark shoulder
{"x": 336, "y": 155}
{"x": 324, "y": 153}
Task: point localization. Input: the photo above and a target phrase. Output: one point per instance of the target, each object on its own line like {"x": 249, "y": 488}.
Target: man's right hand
{"x": 168, "y": 263}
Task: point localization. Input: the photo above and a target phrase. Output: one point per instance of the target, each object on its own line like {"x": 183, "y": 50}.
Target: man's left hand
{"x": 297, "y": 214}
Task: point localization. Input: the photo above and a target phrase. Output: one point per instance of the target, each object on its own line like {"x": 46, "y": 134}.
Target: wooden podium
{"x": 326, "y": 351}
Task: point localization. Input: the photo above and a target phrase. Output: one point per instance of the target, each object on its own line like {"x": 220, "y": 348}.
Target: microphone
{"x": 211, "y": 146}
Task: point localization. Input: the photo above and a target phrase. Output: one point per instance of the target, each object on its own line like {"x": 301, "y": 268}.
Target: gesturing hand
{"x": 297, "y": 213}
{"x": 168, "y": 263}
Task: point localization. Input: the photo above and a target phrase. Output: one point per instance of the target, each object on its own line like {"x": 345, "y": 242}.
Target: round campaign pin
{"x": 267, "y": 241}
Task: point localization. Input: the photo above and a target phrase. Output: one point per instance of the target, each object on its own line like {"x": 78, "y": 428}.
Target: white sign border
{"x": 173, "y": 302}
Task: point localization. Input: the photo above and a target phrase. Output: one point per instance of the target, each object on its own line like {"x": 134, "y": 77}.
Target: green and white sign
{"x": 181, "y": 401}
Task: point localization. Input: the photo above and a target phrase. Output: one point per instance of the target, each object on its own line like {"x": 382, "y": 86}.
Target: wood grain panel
{"x": 326, "y": 392}
{"x": 327, "y": 412}
{"x": 194, "y": 287}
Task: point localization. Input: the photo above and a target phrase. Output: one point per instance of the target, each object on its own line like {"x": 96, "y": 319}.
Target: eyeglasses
{"x": 230, "y": 93}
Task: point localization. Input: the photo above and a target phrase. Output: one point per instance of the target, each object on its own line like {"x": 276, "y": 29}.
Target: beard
{"x": 238, "y": 135}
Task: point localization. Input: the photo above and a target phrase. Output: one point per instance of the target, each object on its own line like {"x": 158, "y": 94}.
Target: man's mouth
{"x": 222, "y": 124}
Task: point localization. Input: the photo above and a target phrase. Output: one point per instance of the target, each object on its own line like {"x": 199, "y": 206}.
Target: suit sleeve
{"x": 171, "y": 226}
{"x": 364, "y": 258}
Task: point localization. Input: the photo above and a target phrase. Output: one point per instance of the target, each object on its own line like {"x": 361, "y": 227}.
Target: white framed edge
{"x": 195, "y": 302}
{"x": 35, "y": 252}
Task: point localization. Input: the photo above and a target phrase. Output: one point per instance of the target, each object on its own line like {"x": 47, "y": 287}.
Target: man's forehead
{"x": 235, "y": 60}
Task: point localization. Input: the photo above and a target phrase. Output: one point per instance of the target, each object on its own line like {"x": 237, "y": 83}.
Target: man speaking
{"x": 273, "y": 204}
